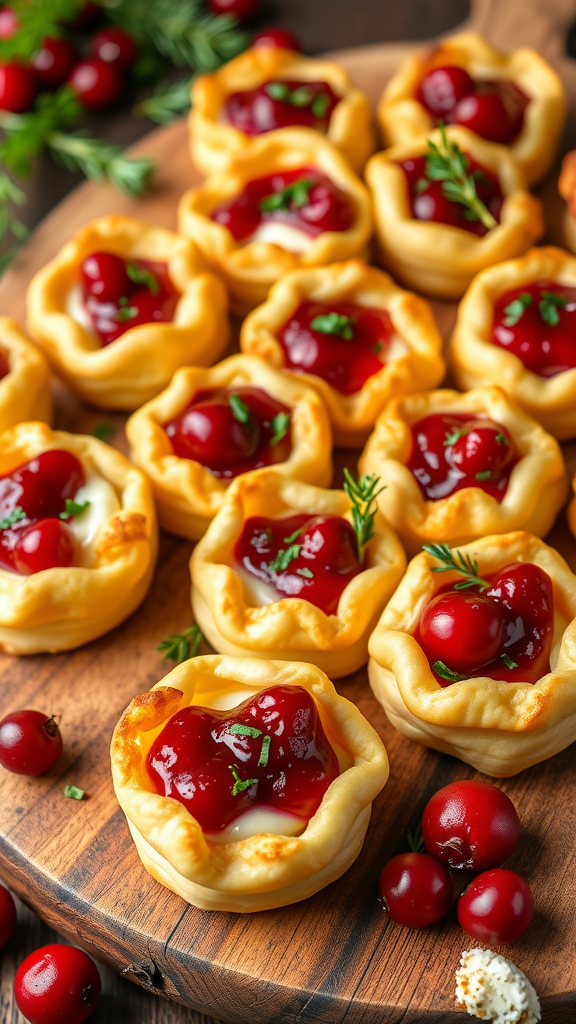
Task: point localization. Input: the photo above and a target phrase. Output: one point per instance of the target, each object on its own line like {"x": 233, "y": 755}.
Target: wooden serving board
{"x": 334, "y": 957}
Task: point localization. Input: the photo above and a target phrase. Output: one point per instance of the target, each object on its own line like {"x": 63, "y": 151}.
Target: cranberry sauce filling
{"x": 342, "y": 343}
{"x": 120, "y": 294}
{"x": 4, "y": 364}
{"x": 491, "y": 108}
{"x": 270, "y": 751}
{"x": 305, "y": 199}
{"x": 537, "y": 323}
{"x": 279, "y": 104}
{"x": 232, "y": 430}
{"x": 307, "y": 556}
{"x": 450, "y": 451}
{"x": 429, "y": 203}
{"x": 33, "y": 498}
{"x": 503, "y": 631}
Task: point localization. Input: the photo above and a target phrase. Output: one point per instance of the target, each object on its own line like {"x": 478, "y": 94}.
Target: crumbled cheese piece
{"x": 492, "y": 988}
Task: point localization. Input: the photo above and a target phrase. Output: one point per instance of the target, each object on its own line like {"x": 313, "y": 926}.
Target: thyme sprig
{"x": 447, "y": 163}
{"x": 181, "y": 646}
{"x": 455, "y": 561}
{"x": 363, "y": 492}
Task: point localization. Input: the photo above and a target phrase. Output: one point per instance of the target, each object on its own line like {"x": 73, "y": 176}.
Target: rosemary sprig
{"x": 447, "y": 163}
{"x": 101, "y": 161}
{"x": 363, "y": 493}
{"x": 462, "y": 564}
{"x": 181, "y": 646}
{"x": 167, "y": 102}
{"x": 36, "y": 21}
{"x": 12, "y": 230}
{"x": 415, "y": 839}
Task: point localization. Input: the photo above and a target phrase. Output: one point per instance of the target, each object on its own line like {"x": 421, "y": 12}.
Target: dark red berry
{"x": 105, "y": 277}
{"x": 45, "y": 544}
{"x": 96, "y": 83}
{"x": 7, "y": 916}
{"x": 244, "y": 10}
{"x": 57, "y": 985}
{"x": 113, "y": 46}
{"x": 9, "y": 23}
{"x": 416, "y": 890}
{"x": 496, "y": 908}
{"x": 53, "y": 63}
{"x": 280, "y": 38}
{"x": 462, "y": 629}
{"x": 470, "y": 824}
{"x": 442, "y": 88}
{"x": 17, "y": 88}
{"x": 30, "y": 742}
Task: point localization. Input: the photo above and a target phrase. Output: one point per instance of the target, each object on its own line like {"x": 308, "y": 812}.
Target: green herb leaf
{"x": 104, "y": 431}
{"x": 334, "y": 323}
{"x": 508, "y": 661}
{"x": 264, "y": 753}
{"x": 13, "y": 517}
{"x": 240, "y": 784}
{"x": 167, "y": 102}
{"x": 293, "y": 536}
{"x": 73, "y": 793}
{"x": 36, "y": 21}
{"x": 421, "y": 186}
{"x": 363, "y": 493}
{"x": 462, "y": 564}
{"x": 301, "y": 97}
{"x": 320, "y": 105}
{"x": 181, "y": 646}
{"x": 515, "y": 309}
{"x": 279, "y": 426}
{"x": 74, "y": 509}
{"x": 306, "y": 573}
{"x": 444, "y": 672}
{"x": 278, "y": 91}
{"x": 296, "y": 193}
{"x": 377, "y": 347}
{"x": 548, "y": 306}
{"x": 125, "y": 312}
{"x": 483, "y": 474}
{"x": 283, "y": 558}
{"x": 452, "y": 438}
{"x": 238, "y": 729}
{"x": 502, "y": 439}
{"x": 447, "y": 163}
{"x": 12, "y": 230}
{"x": 140, "y": 275}
{"x": 415, "y": 839}
{"x": 240, "y": 410}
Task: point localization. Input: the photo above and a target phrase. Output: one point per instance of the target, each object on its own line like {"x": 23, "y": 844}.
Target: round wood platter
{"x": 333, "y": 957}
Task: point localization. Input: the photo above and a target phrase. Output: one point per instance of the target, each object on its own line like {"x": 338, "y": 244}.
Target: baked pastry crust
{"x": 420, "y": 366}
{"x": 141, "y": 362}
{"x": 437, "y": 258}
{"x": 402, "y": 117}
{"x": 289, "y": 628}
{"x": 567, "y": 189}
{"x": 249, "y": 270}
{"x": 213, "y": 142}
{"x": 266, "y": 870}
{"x": 25, "y": 391}
{"x": 474, "y": 360}
{"x": 187, "y": 495}
{"x": 62, "y": 608}
{"x": 536, "y": 491}
{"x": 498, "y": 727}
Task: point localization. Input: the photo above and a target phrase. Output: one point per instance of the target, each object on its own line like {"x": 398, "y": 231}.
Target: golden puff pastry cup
{"x": 135, "y": 367}
{"x": 249, "y": 269}
{"x": 415, "y": 360}
{"x": 25, "y": 390}
{"x": 536, "y": 491}
{"x": 188, "y": 495}
{"x": 474, "y": 360}
{"x": 439, "y": 259}
{"x": 266, "y": 870}
{"x": 402, "y": 117}
{"x": 214, "y": 141}
{"x": 498, "y": 727}
{"x": 61, "y": 608}
{"x": 292, "y": 629}
{"x": 567, "y": 189}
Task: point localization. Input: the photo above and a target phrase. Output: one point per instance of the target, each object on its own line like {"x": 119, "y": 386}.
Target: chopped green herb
{"x": 515, "y": 309}
{"x": 334, "y": 323}
{"x": 238, "y": 729}
{"x": 125, "y": 311}
{"x": 363, "y": 494}
{"x": 483, "y": 474}
{"x": 240, "y": 410}
{"x": 447, "y": 163}
{"x": 283, "y": 558}
{"x": 463, "y": 564}
{"x": 73, "y": 793}
{"x": 103, "y": 431}
{"x": 301, "y": 97}
{"x": 421, "y": 186}
{"x": 139, "y": 275}
{"x": 377, "y": 347}
{"x": 264, "y": 753}
{"x": 548, "y": 306}
{"x": 444, "y": 672}
{"x": 278, "y": 91}
{"x": 502, "y": 439}
{"x": 279, "y": 426}
{"x": 508, "y": 661}
{"x": 181, "y": 646}
{"x": 240, "y": 784}
{"x": 14, "y": 516}
{"x": 320, "y": 105}
{"x": 296, "y": 193}
{"x": 452, "y": 438}
{"x": 293, "y": 536}
{"x": 74, "y": 509}
{"x": 306, "y": 573}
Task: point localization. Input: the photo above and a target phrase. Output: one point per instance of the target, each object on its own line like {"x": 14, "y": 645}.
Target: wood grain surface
{"x": 333, "y": 957}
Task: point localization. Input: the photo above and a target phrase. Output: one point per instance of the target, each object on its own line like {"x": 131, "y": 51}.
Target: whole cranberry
{"x": 57, "y": 985}
{"x": 96, "y": 84}
{"x": 17, "y": 88}
{"x": 415, "y": 889}
{"x": 496, "y": 908}
{"x": 53, "y": 63}
{"x": 9, "y": 23}
{"x": 113, "y": 46}
{"x": 30, "y": 742}
{"x": 279, "y": 38}
{"x": 462, "y": 629}
{"x": 105, "y": 277}
{"x": 442, "y": 88}
{"x": 7, "y": 916}
{"x": 244, "y": 10}
{"x": 483, "y": 449}
{"x": 470, "y": 824}
{"x": 45, "y": 544}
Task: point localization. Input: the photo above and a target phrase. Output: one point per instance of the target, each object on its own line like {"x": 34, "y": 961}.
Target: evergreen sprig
{"x": 455, "y": 561}
{"x": 363, "y": 492}
{"x": 36, "y": 20}
{"x": 447, "y": 163}
{"x": 12, "y": 230}
{"x": 181, "y": 646}
{"x": 167, "y": 102}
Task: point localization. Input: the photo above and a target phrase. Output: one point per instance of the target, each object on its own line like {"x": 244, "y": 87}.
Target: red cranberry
{"x": 42, "y": 485}
{"x": 57, "y": 984}
{"x": 492, "y": 112}
{"x": 7, "y": 916}
{"x": 113, "y": 46}
{"x": 4, "y": 364}
{"x": 442, "y": 88}
{"x": 415, "y": 889}
{"x": 280, "y": 38}
{"x": 211, "y": 434}
{"x": 537, "y": 324}
{"x": 470, "y": 824}
{"x": 9, "y": 23}
{"x": 496, "y": 908}
{"x": 104, "y": 276}
{"x": 47, "y": 544}
{"x": 463, "y": 630}
{"x": 17, "y": 88}
{"x": 30, "y": 743}
{"x": 96, "y": 83}
{"x": 53, "y": 63}
{"x": 450, "y": 451}
{"x": 483, "y": 450}
{"x": 244, "y": 10}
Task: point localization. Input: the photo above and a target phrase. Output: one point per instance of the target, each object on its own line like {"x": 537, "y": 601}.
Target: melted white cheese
{"x": 257, "y": 593}
{"x": 394, "y": 349}
{"x": 87, "y": 528}
{"x": 275, "y": 232}
{"x": 492, "y": 988}
{"x": 259, "y": 820}
{"x": 76, "y": 308}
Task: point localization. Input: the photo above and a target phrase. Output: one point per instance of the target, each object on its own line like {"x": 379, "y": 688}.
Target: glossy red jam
{"x": 32, "y": 500}
{"x": 537, "y": 323}
{"x": 492, "y": 108}
{"x": 450, "y": 451}
{"x": 504, "y": 631}
{"x": 232, "y": 430}
{"x": 279, "y": 104}
{"x": 120, "y": 294}
{"x": 428, "y": 202}
{"x": 342, "y": 343}
{"x": 305, "y": 199}
{"x": 312, "y": 557}
{"x": 4, "y": 364}
{"x": 269, "y": 752}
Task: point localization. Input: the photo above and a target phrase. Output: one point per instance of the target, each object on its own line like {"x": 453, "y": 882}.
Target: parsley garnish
{"x": 181, "y": 646}
{"x": 444, "y": 672}
{"x": 299, "y": 97}
{"x": 240, "y": 784}
{"x": 296, "y": 193}
{"x": 363, "y": 494}
{"x": 334, "y": 323}
{"x": 264, "y": 753}
{"x": 279, "y": 427}
{"x": 483, "y": 474}
{"x": 240, "y": 410}
{"x": 139, "y": 275}
{"x": 73, "y": 793}
{"x": 515, "y": 309}
{"x": 238, "y": 729}
{"x": 508, "y": 661}
{"x": 447, "y": 163}
{"x": 125, "y": 311}
{"x": 293, "y": 536}
{"x": 463, "y": 564}
{"x": 452, "y": 438}
{"x": 502, "y": 439}
{"x": 320, "y": 105}
{"x": 284, "y": 557}
{"x": 74, "y": 509}
{"x": 306, "y": 573}
{"x": 548, "y": 306}
{"x": 103, "y": 431}
{"x": 13, "y": 517}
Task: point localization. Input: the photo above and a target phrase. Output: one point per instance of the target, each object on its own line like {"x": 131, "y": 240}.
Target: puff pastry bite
{"x": 211, "y": 425}
{"x": 515, "y": 327}
{"x": 78, "y": 539}
{"x": 267, "y": 88}
{"x": 515, "y": 99}
{"x": 265, "y": 830}
{"x": 567, "y": 189}
{"x": 282, "y": 573}
{"x": 433, "y": 242}
{"x": 24, "y": 378}
{"x": 122, "y": 306}
{"x": 462, "y": 466}
{"x": 290, "y": 200}
{"x": 354, "y": 335}
{"x": 487, "y": 673}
